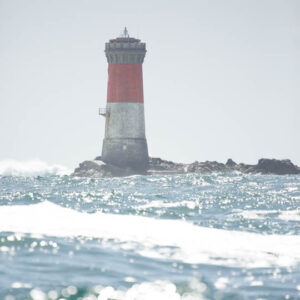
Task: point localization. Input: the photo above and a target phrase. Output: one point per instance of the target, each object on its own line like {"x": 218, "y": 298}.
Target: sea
{"x": 170, "y": 237}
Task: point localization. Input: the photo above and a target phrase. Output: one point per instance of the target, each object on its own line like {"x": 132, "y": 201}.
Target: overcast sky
{"x": 221, "y": 78}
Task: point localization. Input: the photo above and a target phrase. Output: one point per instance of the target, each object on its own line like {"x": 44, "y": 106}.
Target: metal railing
{"x": 102, "y": 111}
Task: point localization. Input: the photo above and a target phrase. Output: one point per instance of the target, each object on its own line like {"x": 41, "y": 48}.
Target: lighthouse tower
{"x": 125, "y": 142}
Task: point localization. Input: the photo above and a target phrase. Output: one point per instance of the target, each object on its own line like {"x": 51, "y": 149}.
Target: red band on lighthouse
{"x": 125, "y": 83}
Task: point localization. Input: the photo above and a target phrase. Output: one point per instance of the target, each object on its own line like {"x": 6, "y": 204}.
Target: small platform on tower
{"x": 103, "y": 112}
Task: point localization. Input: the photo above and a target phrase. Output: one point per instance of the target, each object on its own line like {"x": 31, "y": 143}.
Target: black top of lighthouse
{"x": 125, "y": 50}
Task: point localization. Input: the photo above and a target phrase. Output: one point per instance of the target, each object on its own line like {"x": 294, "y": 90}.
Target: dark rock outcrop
{"x": 274, "y": 166}
{"x": 97, "y": 168}
{"x": 161, "y": 166}
{"x": 207, "y": 167}
{"x": 230, "y": 163}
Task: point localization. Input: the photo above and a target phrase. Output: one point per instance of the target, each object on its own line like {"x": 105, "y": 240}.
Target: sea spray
{"x": 34, "y": 167}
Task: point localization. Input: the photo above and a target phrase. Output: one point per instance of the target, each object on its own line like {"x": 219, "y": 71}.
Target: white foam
{"x": 157, "y": 238}
{"x": 290, "y": 215}
{"x": 33, "y": 167}
{"x": 254, "y": 214}
{"x": 164, "y": 204}
{"x": 158, "y": 290}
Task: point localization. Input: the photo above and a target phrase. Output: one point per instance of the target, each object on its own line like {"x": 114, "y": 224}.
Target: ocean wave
{"x": 254, "y": 214}
{"x": 155, "y": 238}
{"x": 33, "y": 167}
{"x": 290, "y": 215}
{"x": 158, "y": 290}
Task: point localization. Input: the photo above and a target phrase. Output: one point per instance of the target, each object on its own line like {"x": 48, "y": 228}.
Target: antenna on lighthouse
{"x": 125, "y": 33}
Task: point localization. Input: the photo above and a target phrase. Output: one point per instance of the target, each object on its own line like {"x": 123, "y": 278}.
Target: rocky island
{"x": 97, "y": 168}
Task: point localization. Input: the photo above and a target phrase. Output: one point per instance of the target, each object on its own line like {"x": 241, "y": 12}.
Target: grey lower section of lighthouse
{"x": 125, "y": 143}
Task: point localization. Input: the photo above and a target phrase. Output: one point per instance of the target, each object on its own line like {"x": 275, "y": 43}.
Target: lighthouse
{"x": 125, "y": 143}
